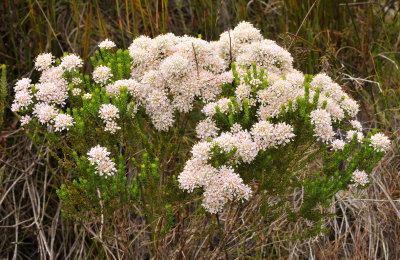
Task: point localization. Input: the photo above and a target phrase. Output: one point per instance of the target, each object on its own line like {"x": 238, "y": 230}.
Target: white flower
{"x": 266, "y": 54}
{"x": 97, "y": 154}
{"x": 200, "y": 151}
{"x": 231, "y": 42}
{"x": 320, "y": 117}
{"x": 283, "y": 133}
{"x": 106, "y": 167}
{"x": 22, "y": 84}
{"x": 223, "y": 105}
{"x": 223, "y": 187}
{"x": 255, "y": 82}
{"x": 323, "y": 124}
{"x": 174, "y": 66}
{"x": 320, "y": 81}
{"x": 102, "y": 74}
{"x": 76, "y": 81}
{"x": 99, "y": 157}
{"x": 242, "y": 91}
{"x": 295, "y": 78}
{"x": 356, "y": 125}
{"x": 114, "y": 88}
{"x": 338, "y": 144}
{"x": 63, "y": 121}
{"x": 380, "y": 142}
{"x": 206, "y": 129}
{"x": 107, "y": 44}
{"x": 52, "y": 92}
{"x": 360, "y": 178}
{"x": 21, "y": 101}
{"x": 350, "y": 106}
{"x": 71, "y": 61}
{"x": 53, "y": 75}
{"x": 44, "y": 112}
{"x": 195, "y": 175}
{"x": 328, "y": 87}
{"x": 236, "y": 127}
{"x": 87, "y": 96}
{"x": 263, "y": 132}
{"x": 245, "y": 32}
{"x": 25, "y": 120}
{"x": 209, "y": 109}
{"x": 157, "y": 105}
{"x": 164, "y": 45}
{"x": 142, "y": 41}
{"x": 350, "y": 135}
{"x": 108, "y": 112}
{"x": 227, "y": 141}
{"x": 226, "y": 77}
{"x": 76, "y": 91}
{"x": 247, "y": 149}
{"x": 44, "y": 61}
{"x": 112, "y": 127}
{"x": 333, "y": 108}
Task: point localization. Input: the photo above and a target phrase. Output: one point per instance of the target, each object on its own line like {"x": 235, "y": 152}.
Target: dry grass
{"x": 365, "y": 227}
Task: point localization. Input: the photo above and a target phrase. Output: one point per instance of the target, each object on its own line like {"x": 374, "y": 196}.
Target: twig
{"x": 195, "y": 58}
{"x": 51, "y": 28}
{"x": 230, "y": 46}
{"x": 302, "y": 23}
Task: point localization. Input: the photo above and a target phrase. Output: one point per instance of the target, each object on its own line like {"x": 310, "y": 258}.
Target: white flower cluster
{"x": 102, "y": 74}
{"x": 99, "y": 157}
{"x": 76, "y": 91}
{"x": 168, "y": 73}
{"x": 350, "y": 135}
{"x": 114, "y": 88}
{"x": 62, "y": 121}
{"x": 338, "y": 145}
{"x": 76, "y": 81}
{"x": 282, "y": 91}
{"x": 223, "y": 184}
{"x": 356, "y": 125}
{"x": 338, "y": 102}
{"x": 380, "y": 142}
{"x": 44, "y": 112}
{"x": 107, "y": 44}
{"x": 23, "y": 97}
{"x": 206, "y": 129}
{"x": 266, "y": 54}
{"x": 279, "y": 93}
{"x": 25, "y": 120}
{"x": 281, "y": 86}
{"x": 360, "y": 178}
{"x": 154, "y": 100}
{"x": 44, "y": 61}
{"x": 87, "y": 96}
{"x": 109, "y": 113}
{"x": 50, "y": 93}
{"x": 185, "y": 68}
{"x": 220, "y": 185}
{"x": 269, "y": 135}
{"x": 323, "y": 124}
{"x": 71, "y": 62}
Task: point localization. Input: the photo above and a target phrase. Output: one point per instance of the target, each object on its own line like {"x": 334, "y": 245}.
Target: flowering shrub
{"x": 255, "y": 126}
{"x": 280, "y": 133}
